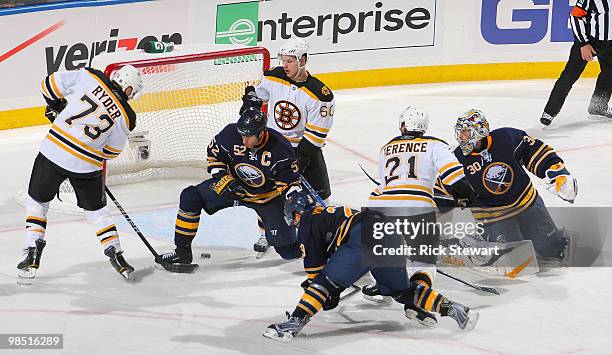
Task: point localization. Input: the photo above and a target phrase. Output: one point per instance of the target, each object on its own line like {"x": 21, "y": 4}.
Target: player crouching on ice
{"x": 507, "y": 204}
{"x": 91, "y": 121}
{"x": 251, "y": 166}
{"x": 334, "y": 259}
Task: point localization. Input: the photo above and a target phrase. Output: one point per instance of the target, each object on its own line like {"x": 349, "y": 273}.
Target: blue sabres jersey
{"x": 321, "y": 232}
{"x": 264, "y": 172}
{"x": 497, "y": 173}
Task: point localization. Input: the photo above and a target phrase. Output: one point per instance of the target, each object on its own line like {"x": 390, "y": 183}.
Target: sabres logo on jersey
{"x": 250, "y": 175}
{"x": 497, "y": 178}
{"x": 287, "y": 115}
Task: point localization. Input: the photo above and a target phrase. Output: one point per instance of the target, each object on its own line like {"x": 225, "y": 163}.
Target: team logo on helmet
{"x": 250, "y": 175}
{"x": 497, "y": 178}
{"x": 286, "y": 115}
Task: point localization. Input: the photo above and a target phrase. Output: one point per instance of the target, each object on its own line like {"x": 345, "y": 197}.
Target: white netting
{"x": 190, "y": 94}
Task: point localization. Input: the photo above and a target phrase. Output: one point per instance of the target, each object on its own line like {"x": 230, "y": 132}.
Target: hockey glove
{"x": 228, "y": 185}
{"x": 559, "y": 178}
{"x": 306, "y": 153}
{"x": 250, "y": 99}
{"x": 54, "y": 108}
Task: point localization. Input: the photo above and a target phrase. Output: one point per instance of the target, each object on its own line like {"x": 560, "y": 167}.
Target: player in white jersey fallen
{"x": 91, "y": 121}
{"x": 300, "y": 107}
{"x": 408, "y": 167}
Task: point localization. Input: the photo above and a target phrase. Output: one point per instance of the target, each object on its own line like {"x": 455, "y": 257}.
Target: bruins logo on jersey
{"x": 250, "y": 175}
{"x": 497, "y": 178}
{"x": 286, "y": 115}
{"x": 325, "y": 91}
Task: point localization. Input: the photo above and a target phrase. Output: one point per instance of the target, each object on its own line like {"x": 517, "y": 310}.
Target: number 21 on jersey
{"x": 396, "y": 168}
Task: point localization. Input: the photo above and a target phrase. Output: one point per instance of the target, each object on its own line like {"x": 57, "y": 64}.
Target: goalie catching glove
{"x": 250, "y": 99}
{"x": 560, "y": 179}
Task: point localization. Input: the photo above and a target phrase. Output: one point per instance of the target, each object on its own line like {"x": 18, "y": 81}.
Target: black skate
{"x": 465, "y": 318}
{"x": 180, "y": 255}
{"x": 261, "y": 247}
{"x": 27, "y": 268}
{"x": 178, "y": 260}
{"x": 372, "y": 293}
{"x": 287, "y": 330}
{"x": 546, "y": 119}
{"x": 420, "y": 315}
{"x": 119, "y": 263}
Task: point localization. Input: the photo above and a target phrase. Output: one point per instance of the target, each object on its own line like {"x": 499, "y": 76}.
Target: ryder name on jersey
{"x": 98, "y": 110}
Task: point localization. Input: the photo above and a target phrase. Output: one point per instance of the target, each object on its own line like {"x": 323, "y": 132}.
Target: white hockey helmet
{"x": 414, "y": 119}
{"x": 295, "y": 47}
{"x": 129, "y": 76}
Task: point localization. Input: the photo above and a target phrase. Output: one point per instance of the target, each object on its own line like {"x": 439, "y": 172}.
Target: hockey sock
{"x": 428, "y": 299}
{"x": 260, "y": 225}
{"x": 312, "y": 301}
{"x": 315, "y": 296}
{"x": 36, "y": 221}
{"x": 106, "y": 231}
{"x": 187, "y": 224}
{"x": 421, "y": 278}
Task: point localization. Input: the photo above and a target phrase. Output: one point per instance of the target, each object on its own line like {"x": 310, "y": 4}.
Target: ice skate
{"x": 119, "y": 263}
{"x": 287, "y": 330}
{"x": 420, "y": 316}
{"x": 180, "y": 255}
{"x": 372, "y": 293}
{"x": 465, "y": 318}
{"x": 26, "y": 269}
{"x": 261, "y": 247}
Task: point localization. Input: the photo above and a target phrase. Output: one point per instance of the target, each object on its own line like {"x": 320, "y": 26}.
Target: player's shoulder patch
{"x": 121, "y": 96}
{"x": 318, "y": 89}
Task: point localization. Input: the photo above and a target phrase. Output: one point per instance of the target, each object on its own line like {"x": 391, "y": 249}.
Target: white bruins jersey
{"x": 94, "y": 124}
{"x": 297, "y": 110}
{"x": 408, "y": 168}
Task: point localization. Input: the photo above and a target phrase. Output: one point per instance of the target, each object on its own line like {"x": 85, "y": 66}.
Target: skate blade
{"x": 598, "y": 118}
{"x": 274, "y": 335}
{"x": 472, "y": 320}
{"x": 25, "y": 277}
{"x": 379, "y": 299}
{"x": 178, "y": 268}
{"x": 128, "y": 275}
{"x": 413, "y": 315}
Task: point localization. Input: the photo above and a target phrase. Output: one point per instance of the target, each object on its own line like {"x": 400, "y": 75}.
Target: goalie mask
{"x": 128, "y": 76}
{"x": 471, "y": 127}
{"x": 413, "y": 119}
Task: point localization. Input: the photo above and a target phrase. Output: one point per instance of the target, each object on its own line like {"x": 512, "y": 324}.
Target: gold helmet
{"x": 474, "y": 122}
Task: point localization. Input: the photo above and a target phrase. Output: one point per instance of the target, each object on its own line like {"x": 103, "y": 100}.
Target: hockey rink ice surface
{"x": 227, "y": 304}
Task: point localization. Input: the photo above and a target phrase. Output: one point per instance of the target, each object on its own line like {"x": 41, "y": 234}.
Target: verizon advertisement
{"x": 68, "y": 39}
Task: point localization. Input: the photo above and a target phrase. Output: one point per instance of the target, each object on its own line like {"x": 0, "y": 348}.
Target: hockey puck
{"x": 205, "y": 255}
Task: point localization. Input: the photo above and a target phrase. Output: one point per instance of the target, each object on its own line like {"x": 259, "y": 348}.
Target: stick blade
{"x": 180, "y": 268}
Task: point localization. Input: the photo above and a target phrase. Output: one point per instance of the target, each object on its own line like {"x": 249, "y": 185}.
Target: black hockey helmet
{"x": 297, "y": 202}
{"x": 251, "y": 122}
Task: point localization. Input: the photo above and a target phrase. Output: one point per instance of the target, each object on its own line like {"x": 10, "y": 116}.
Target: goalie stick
{"x": 477, "y": 287}
{"x": 178, "y": 268}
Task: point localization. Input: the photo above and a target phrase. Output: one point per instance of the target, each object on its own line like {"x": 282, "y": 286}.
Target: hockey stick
{"x": 480, "y": 288}
{"x": 312, "y": 191}
{"x": 178, "y": 268}
{"x": 492, "y": 290}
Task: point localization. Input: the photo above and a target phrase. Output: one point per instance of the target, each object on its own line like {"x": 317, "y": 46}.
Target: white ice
{"x": 228, "y": 303}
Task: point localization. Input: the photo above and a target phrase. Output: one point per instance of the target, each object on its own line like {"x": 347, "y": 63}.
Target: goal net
{"x": 189, "y": 95}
